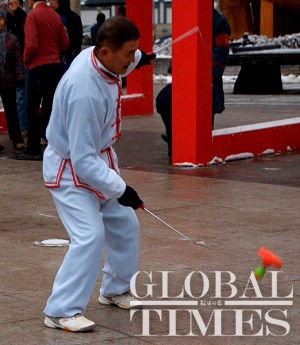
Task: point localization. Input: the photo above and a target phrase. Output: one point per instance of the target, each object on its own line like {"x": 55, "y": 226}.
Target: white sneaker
{"x": 77, "y": 323}
{"x": 124, "y": 301}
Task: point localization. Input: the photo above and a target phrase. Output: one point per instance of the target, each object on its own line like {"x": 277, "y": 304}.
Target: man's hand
{"x": 145, "y": 59}
{"x": 130, "y": 198}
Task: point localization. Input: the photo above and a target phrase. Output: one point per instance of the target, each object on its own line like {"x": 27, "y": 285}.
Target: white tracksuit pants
{"x": 93, "y": 225}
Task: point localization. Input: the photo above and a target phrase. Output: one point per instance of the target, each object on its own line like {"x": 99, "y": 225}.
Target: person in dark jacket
{"x": 220, "y": 50}
{"x": 11, "y": 71}
{"x": 16, "y": 21}
{"x": 72, "y": 23}
{"x": 15, "y": 24}
{"x": 164, "y": 108}
{"x": 95, "y": 28}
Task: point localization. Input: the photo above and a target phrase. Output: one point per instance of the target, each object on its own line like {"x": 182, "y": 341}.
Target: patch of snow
{"x": 268, "y": 152}
{"x": 164, "y": 48}
{"x": 291, "y": 78}
{"x": 162, "y": 78}
{"x": 54, "y": 242}
{"x": 132, "y": 95}
{"x": 239, "y": 156}
{"x": 287, "y": 42}
{"x": 186, "y": 165}
{"x": 291, "y": 41}
{"x": 215, "y": 160}
{"x": 47, "y": 215}
{"x": 163, "y": 56}
{"x": 229, "y": 79}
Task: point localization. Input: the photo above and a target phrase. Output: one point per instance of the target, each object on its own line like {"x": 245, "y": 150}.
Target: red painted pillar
{"x": 140, "y": 81}
{"x": 191, "y": 81}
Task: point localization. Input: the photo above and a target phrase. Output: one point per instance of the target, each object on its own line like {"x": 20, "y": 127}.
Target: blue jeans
{"x": 21, "y": 102}
{"x": 21, "y": 107}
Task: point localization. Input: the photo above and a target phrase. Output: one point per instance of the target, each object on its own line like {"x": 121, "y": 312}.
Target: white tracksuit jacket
{"x": 85, "y": 122}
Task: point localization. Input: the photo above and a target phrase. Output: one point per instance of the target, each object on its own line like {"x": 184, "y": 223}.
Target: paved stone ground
{"x": 235, "y": 208}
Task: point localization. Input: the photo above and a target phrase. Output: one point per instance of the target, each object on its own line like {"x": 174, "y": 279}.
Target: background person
{"x": 11, "y": 71}
{"x": 220, "y": 51}
{"x": 72, "y": 23}
{"x": 122, "y": 11}
{"x": 16, "y": 23}
{"x": 45, "y": 40}
{"x": 95, "y": 28}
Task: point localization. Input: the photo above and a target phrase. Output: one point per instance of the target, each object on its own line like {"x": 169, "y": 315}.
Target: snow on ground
{"x": 227, "y": 79}
{"x": 287, "y": 42}
{"x": 290, "y": 78}
{"x": 291, "y": 41}
{"x": 162, "y": 79}
{"x": 164, "y": 48}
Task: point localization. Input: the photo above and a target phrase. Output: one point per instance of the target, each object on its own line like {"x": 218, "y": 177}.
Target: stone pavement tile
{"x": 19, "y": 307}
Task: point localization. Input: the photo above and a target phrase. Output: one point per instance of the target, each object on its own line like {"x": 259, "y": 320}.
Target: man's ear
{"x": 103, "y": 52}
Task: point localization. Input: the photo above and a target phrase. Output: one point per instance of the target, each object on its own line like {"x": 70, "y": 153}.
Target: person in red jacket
{"x": 45, "y": 40}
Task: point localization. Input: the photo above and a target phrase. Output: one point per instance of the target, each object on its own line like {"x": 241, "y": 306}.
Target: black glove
{"x": 130, "y": 198}
{"x": 145, "y": 59}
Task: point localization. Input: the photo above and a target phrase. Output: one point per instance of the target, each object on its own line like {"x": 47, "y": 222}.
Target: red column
{"x": 140, "y": 81}
{"x": 191, "y": 81}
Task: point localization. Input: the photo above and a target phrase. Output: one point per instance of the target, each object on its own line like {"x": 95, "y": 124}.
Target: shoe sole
{"x": 50, "y": 324}
{"x": 105, "y": 301}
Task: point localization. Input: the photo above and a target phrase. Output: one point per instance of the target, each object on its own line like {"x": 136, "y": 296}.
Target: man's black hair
{"x": 115, "y": 31}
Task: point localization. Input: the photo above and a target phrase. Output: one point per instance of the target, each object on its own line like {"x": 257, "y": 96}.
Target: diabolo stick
{"x": 200, "y": 243}
{"x": 179, "y": 38}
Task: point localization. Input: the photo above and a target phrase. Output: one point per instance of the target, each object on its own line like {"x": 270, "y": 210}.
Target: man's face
{"x": 12, "y": 5}
{"x": 2, "y": 23}
{"x": 118, "y": 62}
{"x": 54, "y": 4}
{"x": 30, "y": 3}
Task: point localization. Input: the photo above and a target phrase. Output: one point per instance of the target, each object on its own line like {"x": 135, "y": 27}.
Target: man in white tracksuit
{"x": 80, "y": 169}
